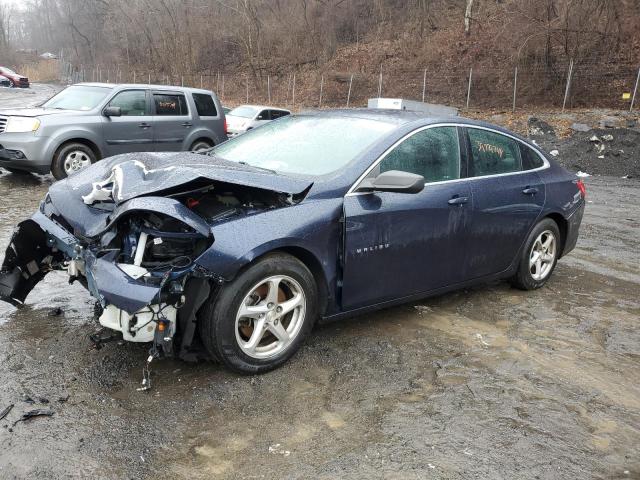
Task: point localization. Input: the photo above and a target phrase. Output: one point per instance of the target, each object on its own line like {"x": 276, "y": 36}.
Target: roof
{"x": 141, "y": 85}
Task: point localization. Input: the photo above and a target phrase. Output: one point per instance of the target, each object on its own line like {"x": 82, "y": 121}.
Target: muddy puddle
{"x": 488, "y": 382}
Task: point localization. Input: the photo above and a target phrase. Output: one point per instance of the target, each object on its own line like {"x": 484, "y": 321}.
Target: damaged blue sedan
{"x": 234, "y": 253}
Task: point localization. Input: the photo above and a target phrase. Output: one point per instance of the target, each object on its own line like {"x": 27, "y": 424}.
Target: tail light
{"x": 581, "y": 186}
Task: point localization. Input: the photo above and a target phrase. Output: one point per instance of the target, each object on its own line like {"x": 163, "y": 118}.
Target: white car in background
{"x": 246, "y": 117}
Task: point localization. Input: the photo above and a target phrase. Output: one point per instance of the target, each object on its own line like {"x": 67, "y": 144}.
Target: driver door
{"x": 399, "y": 244}
{"x": 133, "y": 130}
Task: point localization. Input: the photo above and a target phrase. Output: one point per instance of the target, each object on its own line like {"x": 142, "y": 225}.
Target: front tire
{"x": 259, "y": 320}
{"x": 70, "y": 159}
{"x": 539, "y": 257}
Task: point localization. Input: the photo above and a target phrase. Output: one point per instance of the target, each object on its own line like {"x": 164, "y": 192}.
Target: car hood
{"x": 33, "y": 112}
{"x": 135, "y": 177}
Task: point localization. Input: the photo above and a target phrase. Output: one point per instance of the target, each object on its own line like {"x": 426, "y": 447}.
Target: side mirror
{"x": 395, "y": 181}
{"x": 259, "y": 117}
{"x": 112, "y": 112}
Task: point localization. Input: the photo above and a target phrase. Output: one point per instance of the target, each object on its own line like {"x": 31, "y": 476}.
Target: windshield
{"x": 244, "y": 112}
{"x": 7, "y": 70}
{"x": 304, "y": 145}
{"x": 78, "y": 97}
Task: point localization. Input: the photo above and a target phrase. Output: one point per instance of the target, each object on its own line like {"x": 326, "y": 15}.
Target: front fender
{"x": 73, "y": 133}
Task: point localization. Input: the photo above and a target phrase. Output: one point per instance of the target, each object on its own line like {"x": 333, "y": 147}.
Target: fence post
{"x": 149, "y": 78}
{"x": 321, "y": 85}
{"x": 222, "y": 94}
{"x": 349, "y": 94}
{"x": 424, "y": 84}
{"x": 635, "y": 90}
{"x": 380, "y": 83}
{"x": 293, "y": 92}
{"x": 515, "y": 87}
{"x": 269, "y": 89}
{"x": 134, "y": 76}
{"x": 568, "y": 87}
{"x": 246, "y": 81}
{"x": 469, "y": 87}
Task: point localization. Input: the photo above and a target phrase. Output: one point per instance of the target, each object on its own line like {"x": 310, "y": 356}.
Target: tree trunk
{"x": 467, "y": 18}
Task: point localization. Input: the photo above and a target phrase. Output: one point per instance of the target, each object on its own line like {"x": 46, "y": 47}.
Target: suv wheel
{"x": 200, "y": 145}
{"x": 260, "y": 319}
{"x": 70, "y": 159}
{"x": 539, "y": 256}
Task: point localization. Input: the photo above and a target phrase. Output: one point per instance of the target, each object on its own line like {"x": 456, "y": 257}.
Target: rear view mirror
{"x": 112, "y": 112}
{"x": 395, "y": 181}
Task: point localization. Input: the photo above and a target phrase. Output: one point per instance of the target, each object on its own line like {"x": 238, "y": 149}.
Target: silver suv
{"x": 89, "y": 121}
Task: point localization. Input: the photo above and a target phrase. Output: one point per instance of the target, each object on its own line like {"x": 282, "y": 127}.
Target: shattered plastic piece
{"x": 594, "y": 138}
{"x": 555, "y": 153}
{"x": 582, "y": 174}
{"x": 40, "y": 412}
{"x": 6, "y": 411}
{"x": 607, "y": 137}
{"x": 600, "y": 156}
{"x": 277, "y": 449}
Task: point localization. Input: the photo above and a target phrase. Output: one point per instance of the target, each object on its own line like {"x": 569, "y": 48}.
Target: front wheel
{"x": 259, "y": 320}
{"x": 70, "y": 159}
{"x": 539, "y": 256}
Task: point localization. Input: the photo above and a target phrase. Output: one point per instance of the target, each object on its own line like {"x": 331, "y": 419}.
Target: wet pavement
{"x": 27, "y": 97}
{"x": 489, "y": 382}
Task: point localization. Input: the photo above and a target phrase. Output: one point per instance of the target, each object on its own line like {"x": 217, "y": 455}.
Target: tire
{"x": 11, "y": 84}
{"x": 538, "y": 261}
{"x": 230, "y": 337}
{"x": 71, "y": 158}
{"x": 200, "y": 145}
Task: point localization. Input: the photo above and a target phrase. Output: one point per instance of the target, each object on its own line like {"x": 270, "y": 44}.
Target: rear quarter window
{"x": 530, "y": 159}
{"x": 205, "y": 105}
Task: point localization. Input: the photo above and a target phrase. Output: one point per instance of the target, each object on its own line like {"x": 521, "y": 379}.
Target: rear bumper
{"x": 573, "y": 227}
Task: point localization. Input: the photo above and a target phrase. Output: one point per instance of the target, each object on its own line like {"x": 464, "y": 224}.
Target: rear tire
{"x": 199, "y": 145}
{"x": 259, "y": 320}
{"x": 539, "y": 257}
{"x": 70, "y": 159}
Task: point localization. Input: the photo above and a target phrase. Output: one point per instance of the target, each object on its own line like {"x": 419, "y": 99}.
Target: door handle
{"x": 144, "y": 125}
{"x": 458, "y": 200}
{"x": 530, "y": 191}
{"x": 187, "y": 124}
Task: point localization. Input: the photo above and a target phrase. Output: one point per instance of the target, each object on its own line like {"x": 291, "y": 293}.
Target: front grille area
{"x": 3, "y": 123}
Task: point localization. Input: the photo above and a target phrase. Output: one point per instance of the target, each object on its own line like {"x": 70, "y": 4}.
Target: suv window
{"x": 205, "y": 105}
{"x": 433, "y": 153}
{"x": 275, "y": 114}
{"x": 530, "y": 159}
{"x": 170, "y": 104}
{"x": 132, "y": 103}
{"x": 492, "y": 153}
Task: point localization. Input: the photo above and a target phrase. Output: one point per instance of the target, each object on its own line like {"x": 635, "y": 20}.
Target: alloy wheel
{"x": 542, "y": 255}
{"x": 270, "y": 317}
{"x": 76, "y": 161}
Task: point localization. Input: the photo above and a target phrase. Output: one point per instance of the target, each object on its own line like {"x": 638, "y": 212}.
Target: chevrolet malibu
{"x": 235, "y": 253}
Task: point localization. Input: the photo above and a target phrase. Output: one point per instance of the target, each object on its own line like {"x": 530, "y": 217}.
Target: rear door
{"x": 171, "y": 121}
{"x": 398, "y": 244}
{"x": 508, "y": 196}
{"x": 133, "y": 130}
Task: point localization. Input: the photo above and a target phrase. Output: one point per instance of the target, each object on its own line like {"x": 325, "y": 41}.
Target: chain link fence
{"x": 583, "y": 85}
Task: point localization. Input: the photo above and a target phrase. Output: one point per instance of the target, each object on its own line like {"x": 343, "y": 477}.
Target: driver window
{"x": 131, "y": 102}
{"x": 433, "y": 153}
{"x": 264, "y": 115}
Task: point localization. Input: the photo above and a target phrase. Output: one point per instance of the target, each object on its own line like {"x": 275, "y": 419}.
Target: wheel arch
{"x": 202, "y": 138}
{"x": 82, "y": 140}
{"x": 563, "y": 226}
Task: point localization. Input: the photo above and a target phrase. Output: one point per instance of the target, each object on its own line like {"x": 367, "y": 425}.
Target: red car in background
{"x": 15, "y": 79}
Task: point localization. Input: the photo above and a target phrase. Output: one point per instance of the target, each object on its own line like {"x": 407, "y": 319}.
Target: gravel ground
{"x": 27, "y": 97}
{"x": 490, "y": 382}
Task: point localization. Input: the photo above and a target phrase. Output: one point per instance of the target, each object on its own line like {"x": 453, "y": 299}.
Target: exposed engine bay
{"x": 133, "y": 239}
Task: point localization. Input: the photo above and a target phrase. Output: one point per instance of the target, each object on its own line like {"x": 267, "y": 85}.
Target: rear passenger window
{"x": 530, "y": 159}
{"x": 170, "y": 104}
{"x": 433, "y": 153}
{"x": 205, "y": 105}
{"x": 492, "y": 153}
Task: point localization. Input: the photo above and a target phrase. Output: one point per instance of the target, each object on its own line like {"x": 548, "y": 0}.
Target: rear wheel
{"x": 70, "y": 159}
{"x": 200, "y": 145}
{"x": 539, "y": 256}
{"x": 259, "y": 320}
